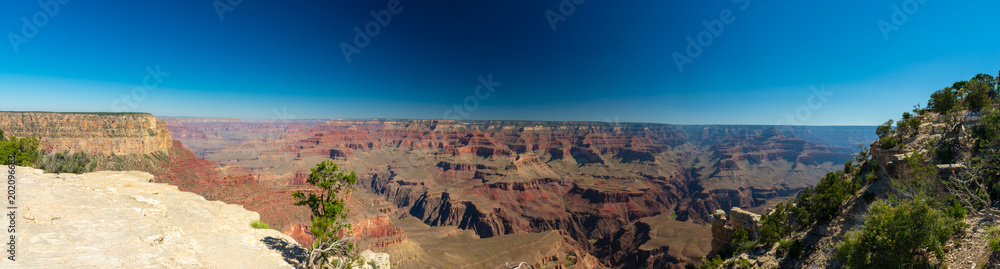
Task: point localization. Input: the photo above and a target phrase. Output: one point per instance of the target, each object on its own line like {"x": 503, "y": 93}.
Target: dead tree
{"x": 972, "y": 186}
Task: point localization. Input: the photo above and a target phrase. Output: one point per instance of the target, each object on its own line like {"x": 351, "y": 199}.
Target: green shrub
{"x": 993, "y": 236}
{"x": 870, "y": 177}
{"x": 259, "y": 225}
{"x": 986, "y": 155}
{"x": 884, "y": 130}
{"x": 979, "y": 91}
{"x": 889, "y": 142}
{"x": 987, "y": 133}
{"x": 954, "y": 209}
{"x": 25, "y": 150}
{"x": 791, "y": 246}
{"x": 824, "y": 201}
{"x": 64, "y": 162}
{"x": 800, "y": 211}
{"x": 943, "y": 100}
{"x": 897, "y": 236}
{"x": 943, "y": 153}
{"x": 913, "y": 124}
{"x": 849, "y": 167}
{"x": 741, "y": 241}
{"x": 743, "y": 264}
{"x": 712, "y": 263}
{"x": 774, "y": 226}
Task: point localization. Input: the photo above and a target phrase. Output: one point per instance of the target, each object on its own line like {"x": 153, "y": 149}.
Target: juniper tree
{"x": 331, "y": 247}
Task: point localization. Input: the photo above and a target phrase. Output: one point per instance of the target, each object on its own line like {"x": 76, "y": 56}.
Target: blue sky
{"x": 606, "y": 61}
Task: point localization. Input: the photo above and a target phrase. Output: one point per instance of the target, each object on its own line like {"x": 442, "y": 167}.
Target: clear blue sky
{"x": 608, "y": 60}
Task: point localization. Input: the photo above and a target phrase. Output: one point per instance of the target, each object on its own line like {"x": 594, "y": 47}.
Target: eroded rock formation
{"x": 494, "y": 178}
{"x": 723, "y": 227}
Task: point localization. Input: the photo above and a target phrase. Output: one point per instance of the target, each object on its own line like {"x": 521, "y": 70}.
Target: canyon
{"x": 611, "y": 190}
{"x": 444, "y": 193}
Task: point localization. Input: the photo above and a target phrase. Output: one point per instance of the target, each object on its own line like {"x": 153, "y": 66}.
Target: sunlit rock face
{"x": 92, "y": 133}
{"x": 122, "y": 219}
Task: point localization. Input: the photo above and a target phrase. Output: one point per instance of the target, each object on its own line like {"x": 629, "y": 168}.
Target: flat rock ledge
{"x": 113, "y": 219}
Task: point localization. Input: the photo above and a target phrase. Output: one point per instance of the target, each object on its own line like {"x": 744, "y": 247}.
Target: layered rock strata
{"x": 92, "y": 133}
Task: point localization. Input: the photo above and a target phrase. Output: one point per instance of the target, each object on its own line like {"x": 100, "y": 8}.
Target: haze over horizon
{"x": 759, "y": 63}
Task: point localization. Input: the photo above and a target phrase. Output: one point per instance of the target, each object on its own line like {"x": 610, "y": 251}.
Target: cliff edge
{"x": 120, "y": 219}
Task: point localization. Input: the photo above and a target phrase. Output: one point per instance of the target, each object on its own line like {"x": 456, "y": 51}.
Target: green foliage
{"x": 800, "y": 211}
{"x": 860, "y": 155}
{"x": 25, "y": 150}
{"x": 923, "y": 180}
{"x": 943, "y": 101}
{"x": 774, "y": 226}
{"x": 690, "y": 266}
{"x": 911, "y": 125}
{"x": 977, "y": 99}
{"x": 259, "y": 225}
{"x": 996, "y": 87}
{"x": 824, "y": 201}
{"x": 848, "y": 167}
{"x": 987, "y": 133}
{"x": 885, "y": 135}
{"x": 889, "y": 142}
{"x": 954, "y": 209}
{"x": 993, "y": 236}
{"x": 712, "y": 263}
{"x": 870, "y": 178}
{"x": 741, "y": 241}
{"x": 896, "y": 236}
{"x": 64, "y": 162}
{"x": 986, "y": 157}
{"x": 944, "y": 152}
{"x": 741, "y": 264}
{"x": 919, "y": 111}
{"x": 791, "y": 246}
{"x": 981, "y": 91}
{"x": 329, "y": 210}
{"x": 884, "y": 130}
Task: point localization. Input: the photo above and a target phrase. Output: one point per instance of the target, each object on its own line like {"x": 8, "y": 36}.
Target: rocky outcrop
{"x": 122, "y": 219}
{"x": 92, "y": 133}
{"x": 723, "y": 228}
{"x": 722, "y": 233}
